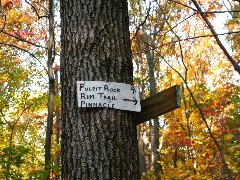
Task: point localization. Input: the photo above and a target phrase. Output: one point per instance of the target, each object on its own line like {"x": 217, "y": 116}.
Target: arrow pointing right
{"x": 133, "y": 100}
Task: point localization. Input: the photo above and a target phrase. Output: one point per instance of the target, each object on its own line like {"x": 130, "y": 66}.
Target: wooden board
{"x": 159, "y": 104}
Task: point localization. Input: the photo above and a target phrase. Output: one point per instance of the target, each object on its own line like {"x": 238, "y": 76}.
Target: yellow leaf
{"x": 237, "y": 153}
{"x": 229, "y": 136}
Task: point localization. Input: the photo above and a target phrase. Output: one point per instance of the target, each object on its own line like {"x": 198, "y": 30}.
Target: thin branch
{"x": 5, "y": 118}
{"x": 23, "y": 40}
{"x": 180, "y": 46}
{"x": 24, "y": 50}
{"x": 164, "y": 12}
{"x": 199, "y": 13}
{"x": 5, "y": 19}
{"x": 218, "y": 12}
{"x": 35, "y": 9}
{"x": 210, "y": 26}
{"x": 183, "y": 5}
{"x": 205, "y": 12}
{"x": 140, "y": 25}
{"x": 181, "y": 22}
{"x": 12, "y": 126}
{"x": 196, "y": 37}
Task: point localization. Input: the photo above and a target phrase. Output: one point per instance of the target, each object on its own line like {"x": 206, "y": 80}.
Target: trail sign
{"x": 159, "y": 104}
{"x": 108, "y": 95}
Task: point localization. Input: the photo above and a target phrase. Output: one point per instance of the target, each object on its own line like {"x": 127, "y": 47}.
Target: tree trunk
{"x": 50, "y": 105}
{"x": 97, "y": 143}
{"x": 58, "y": 120}
{"x": 152, "y": 81}
{"x": 141, "y": 156}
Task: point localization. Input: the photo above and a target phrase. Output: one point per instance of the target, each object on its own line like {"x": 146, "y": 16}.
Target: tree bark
{"x": 97, "y": 143}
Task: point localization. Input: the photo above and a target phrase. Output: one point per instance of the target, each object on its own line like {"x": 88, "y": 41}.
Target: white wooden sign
{"x": 108, "y": 95}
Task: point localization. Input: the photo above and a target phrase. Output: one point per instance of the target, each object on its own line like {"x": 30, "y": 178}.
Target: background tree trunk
{"x": 97, "y": 143}
{"x": 51, "y": 85}
{"x": 154, "y": 128}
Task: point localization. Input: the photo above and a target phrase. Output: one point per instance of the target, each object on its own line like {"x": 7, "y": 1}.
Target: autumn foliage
{"x": 199, "y": 140}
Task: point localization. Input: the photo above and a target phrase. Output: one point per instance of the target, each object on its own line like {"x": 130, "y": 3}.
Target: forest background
{"x": 195, "y": 44}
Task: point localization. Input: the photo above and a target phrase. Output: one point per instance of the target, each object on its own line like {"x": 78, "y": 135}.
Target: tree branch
{"x": 195, "y": 37}
{"x": 23, "y": 40}
{"x": 141, "y": 24}
{"x": 35, "y": 9}
{"x": 24, "y": 50}
{"x": 3, "y": 14}
{"x": 202, "y": 36}
{"x": 205, "y": 12}
{"x": 183, "y": 5}
{"x": 210, "y": 26}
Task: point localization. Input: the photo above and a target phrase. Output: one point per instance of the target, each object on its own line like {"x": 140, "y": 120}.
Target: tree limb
{"x": 215, "y": 35}
{"x": 23, "y": 40}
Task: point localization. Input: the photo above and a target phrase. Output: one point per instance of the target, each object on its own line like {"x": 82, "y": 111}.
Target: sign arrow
{"x": 133, "y": 100}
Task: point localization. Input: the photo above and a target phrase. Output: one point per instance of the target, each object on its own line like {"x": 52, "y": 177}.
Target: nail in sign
{"x": 96, "y": 94}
